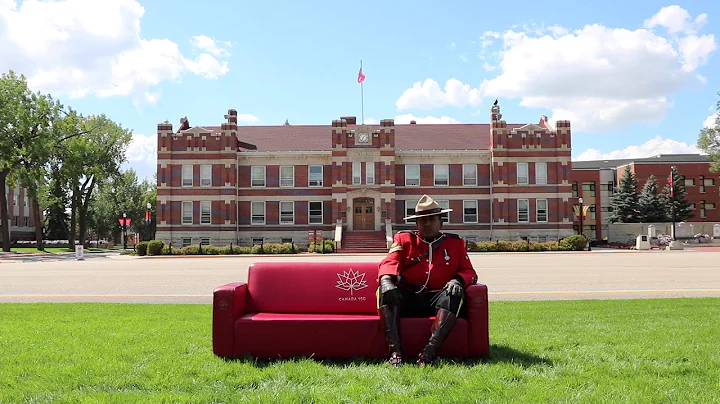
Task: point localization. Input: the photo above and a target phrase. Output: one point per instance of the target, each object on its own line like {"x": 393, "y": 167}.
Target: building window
{"x": 287, "y": 176}
{"x": 204, "y": 241}
{"x": 316, "y": 213}
{"x": 258, "y": 176}
{"x": 589, "y": 186}
{"x": 26, "y": 221}
{"x": 523, "y": 210}
{"x": 410, "y": 209}
{"x": 689, "y": 182}
{"x": 522, "y": 173}
{"x": 315, "y": 176}
{"x": 412, "y": 175}
{"x": 205, "y": 175}
{"x": 592, "y": 211}
{"x": 541, "y": 210}
{"x": 15, "y": 221}
{"x": 186, "y": 241}
{"x": 442, "y": 176}
{"x": 445, "y": 216}
{"x": 205, "y": 212}
{"x": 575, "y": 189}
{"x": 257, "y": 212}
{"x": 187, "y": 212}
{"x": 187, "y": 175}
{"x": 541, "y": 172}
{"x": 25, "y": 201}
{"x": 369, "y": 173}
{"x": 356, "y": 173}
{"x": 285, "y": 240}
{"x": 469, "y": 174}
{"x": 287, "y": 212}
{"x": 470, "y": 211}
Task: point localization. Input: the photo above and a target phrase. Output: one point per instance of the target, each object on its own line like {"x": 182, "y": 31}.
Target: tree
{"x": 25, "y": 143}
{"x": 625, "y": 200}
{"x": 651, "y": 205}
{"x": 683, "y": 208}
{"x": 709, "y": 140}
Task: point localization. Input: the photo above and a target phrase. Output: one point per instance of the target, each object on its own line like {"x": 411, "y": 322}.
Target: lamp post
{"x": 581, "y": 231}
{"x": 124, "y": 231}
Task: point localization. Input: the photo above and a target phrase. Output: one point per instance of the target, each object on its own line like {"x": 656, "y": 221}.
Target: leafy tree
{"x": 709, "y": 140}
{"x": 651, "y": 205}
{"x": 683, "y": 208}
{"x": 625, "y": 201}
{"x": 57, "y": 218}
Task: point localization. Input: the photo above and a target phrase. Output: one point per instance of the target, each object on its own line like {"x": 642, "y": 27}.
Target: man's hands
{"x": 454, "y": 287}
{"x": 390, "y": 293}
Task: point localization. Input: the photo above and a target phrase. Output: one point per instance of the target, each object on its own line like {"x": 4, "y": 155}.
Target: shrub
{"x": 318, "y": 248}
{"x": 155, "y": 247}
{"x": 575, "y": 242}
{"x": 142, "y": 248}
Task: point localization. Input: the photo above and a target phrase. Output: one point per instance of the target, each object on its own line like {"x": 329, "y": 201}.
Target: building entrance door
{"x": 364, "y": 216}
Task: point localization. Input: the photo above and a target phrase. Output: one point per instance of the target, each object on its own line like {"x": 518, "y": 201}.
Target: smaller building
{"x": 22, "y": 225}
{"x": 595, "y": 182}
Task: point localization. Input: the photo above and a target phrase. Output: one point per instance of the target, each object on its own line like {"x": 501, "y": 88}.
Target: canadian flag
{"x": 361, "y": 76}
{"x": 672, "y": 184}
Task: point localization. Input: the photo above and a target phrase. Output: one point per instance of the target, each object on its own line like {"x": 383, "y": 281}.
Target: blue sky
{"x": 634, "y": 77}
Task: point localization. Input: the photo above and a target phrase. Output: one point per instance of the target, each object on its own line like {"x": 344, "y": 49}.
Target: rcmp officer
{"x": 425, "y": 273}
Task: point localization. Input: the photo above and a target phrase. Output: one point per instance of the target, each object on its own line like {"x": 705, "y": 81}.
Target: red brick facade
{"x": 275, "y": 183}
{"x": 22, "y": 224}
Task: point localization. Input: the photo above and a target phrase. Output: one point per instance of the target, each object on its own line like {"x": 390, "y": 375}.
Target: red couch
{"x": 325, "y": 310}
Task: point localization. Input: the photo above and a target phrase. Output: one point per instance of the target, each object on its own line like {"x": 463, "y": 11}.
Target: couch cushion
{"x": 275, "y": 335}
{"x": 313, "y": 287}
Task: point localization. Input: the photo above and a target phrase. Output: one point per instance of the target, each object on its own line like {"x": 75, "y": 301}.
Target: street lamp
{"x": 124, "y": 231}
{"x": 581, "y": 231}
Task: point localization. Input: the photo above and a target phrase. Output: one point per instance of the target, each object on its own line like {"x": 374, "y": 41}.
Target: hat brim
{"x": 428, "y": 214}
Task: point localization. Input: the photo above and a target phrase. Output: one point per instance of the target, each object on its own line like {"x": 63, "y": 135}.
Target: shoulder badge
{"x": 395, "y": 247}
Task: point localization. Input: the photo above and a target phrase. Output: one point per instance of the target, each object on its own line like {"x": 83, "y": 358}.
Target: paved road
{"x": 510, "y": 276}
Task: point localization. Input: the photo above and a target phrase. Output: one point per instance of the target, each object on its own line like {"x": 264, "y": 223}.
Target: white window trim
{"x": 182, "y": 212}
{"x": 537, "y": 211}
{"x": 185, "y": 167}
{"x": 207, "y": 204}
{"x": 264, "y": 213}
{"x": 322, "y": 212}
{"x": 292, "y": 184}
{"x": 477, "y": 210}
{"x": 370, "y": 172}
{"x": 280, "y": 212}
{"x": 407, "y": 176}
{"x": 475, "y": 177}
{"x": 356, "y": 173}
{"x": 264, "y": 176}
{"x": 435, "y": 175}
{"x": 544, "y": 178}
{"x": 526, "y": 172}
{"x": 322, "y": 175}
{"x": 206, "y": 181}
{"x": 527, "y": 203}
{"x": 445, "y": 204}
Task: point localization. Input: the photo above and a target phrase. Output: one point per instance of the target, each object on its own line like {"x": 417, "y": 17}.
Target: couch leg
{"x": 441, "y": 327}
{"x": 390, "y": 318}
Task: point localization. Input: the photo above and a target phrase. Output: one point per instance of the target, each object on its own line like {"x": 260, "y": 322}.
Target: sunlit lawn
{"x": 634, "y": 351}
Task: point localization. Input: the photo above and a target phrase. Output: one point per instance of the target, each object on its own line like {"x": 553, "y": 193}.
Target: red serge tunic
{"x": 449, "y": 258}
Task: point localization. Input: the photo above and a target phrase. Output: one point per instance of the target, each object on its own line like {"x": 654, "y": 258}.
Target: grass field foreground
{"x": 631, "y": 351}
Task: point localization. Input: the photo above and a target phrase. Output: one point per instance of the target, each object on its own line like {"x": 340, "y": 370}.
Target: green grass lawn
{"x": 631, "y": 351}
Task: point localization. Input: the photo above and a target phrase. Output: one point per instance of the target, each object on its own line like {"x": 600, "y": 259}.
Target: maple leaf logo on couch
{"x": 351, "y": 280}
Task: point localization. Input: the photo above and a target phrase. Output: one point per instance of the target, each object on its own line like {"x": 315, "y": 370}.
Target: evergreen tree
{"x": 683, "y": 208}
{"x": 625, "y": 200}
{"x": 652, "y": 206}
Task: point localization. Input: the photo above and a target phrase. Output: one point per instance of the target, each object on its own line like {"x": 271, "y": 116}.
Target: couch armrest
{"x": 478, "y": 322}
{"x": 228, "y": 304}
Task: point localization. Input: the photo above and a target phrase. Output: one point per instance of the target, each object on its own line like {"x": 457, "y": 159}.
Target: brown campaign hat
{"x": 426, "y": 206}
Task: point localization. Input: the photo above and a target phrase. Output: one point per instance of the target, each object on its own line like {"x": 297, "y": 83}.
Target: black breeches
{"x": 426, "y": 304}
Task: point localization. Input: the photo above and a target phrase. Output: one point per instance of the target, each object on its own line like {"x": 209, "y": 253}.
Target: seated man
{"x": 425, "y": 273}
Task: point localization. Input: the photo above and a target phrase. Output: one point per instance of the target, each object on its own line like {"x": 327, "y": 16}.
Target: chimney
{"x": 413, "y": 122}
{"x": 351, "y": 120}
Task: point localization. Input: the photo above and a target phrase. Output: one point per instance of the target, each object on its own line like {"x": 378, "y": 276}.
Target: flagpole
{"x": 362, "y": 99}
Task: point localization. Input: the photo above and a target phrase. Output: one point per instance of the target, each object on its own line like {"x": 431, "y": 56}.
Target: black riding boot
{"x": 441, "y": 327}
{"x": 390, "y": 318}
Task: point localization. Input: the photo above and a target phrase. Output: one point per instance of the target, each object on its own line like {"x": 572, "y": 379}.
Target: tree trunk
{"x": 38, "y": 224}
{"x": 73, "y": 218}
{"x": 83, "y": 213}
{"x": 4, "y": 217}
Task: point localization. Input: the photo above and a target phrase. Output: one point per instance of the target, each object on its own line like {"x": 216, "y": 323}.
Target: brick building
{"x": 246, "y": 184}
{"x": 22, "y": 225}
{"x": 595, "y": 181}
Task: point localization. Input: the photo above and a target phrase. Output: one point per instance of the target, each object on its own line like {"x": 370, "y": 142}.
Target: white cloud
{"x": 650, "y": 148}
{"x": 247, "y": 118}
{"x": 676, "y": 20}
{"x": 598, "y": 77}
{"x": 78, "y": 48}
{"x": 403, "y": 119}
{"x": 428, "y": 94}
{"x": 210, "y": 45}
{"x": 371, "y": 121}
{"x": 711, "y": 121}
{"x": 143, "y": 149}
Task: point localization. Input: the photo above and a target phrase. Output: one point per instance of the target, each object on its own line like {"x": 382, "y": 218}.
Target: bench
{"x": 327, "y": 310}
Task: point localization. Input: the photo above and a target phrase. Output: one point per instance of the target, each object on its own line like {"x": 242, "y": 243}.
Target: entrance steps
{"x": 363, "y": 242}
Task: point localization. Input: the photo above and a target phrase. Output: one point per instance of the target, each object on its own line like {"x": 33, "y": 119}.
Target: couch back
{"x": 313, "y": 287}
